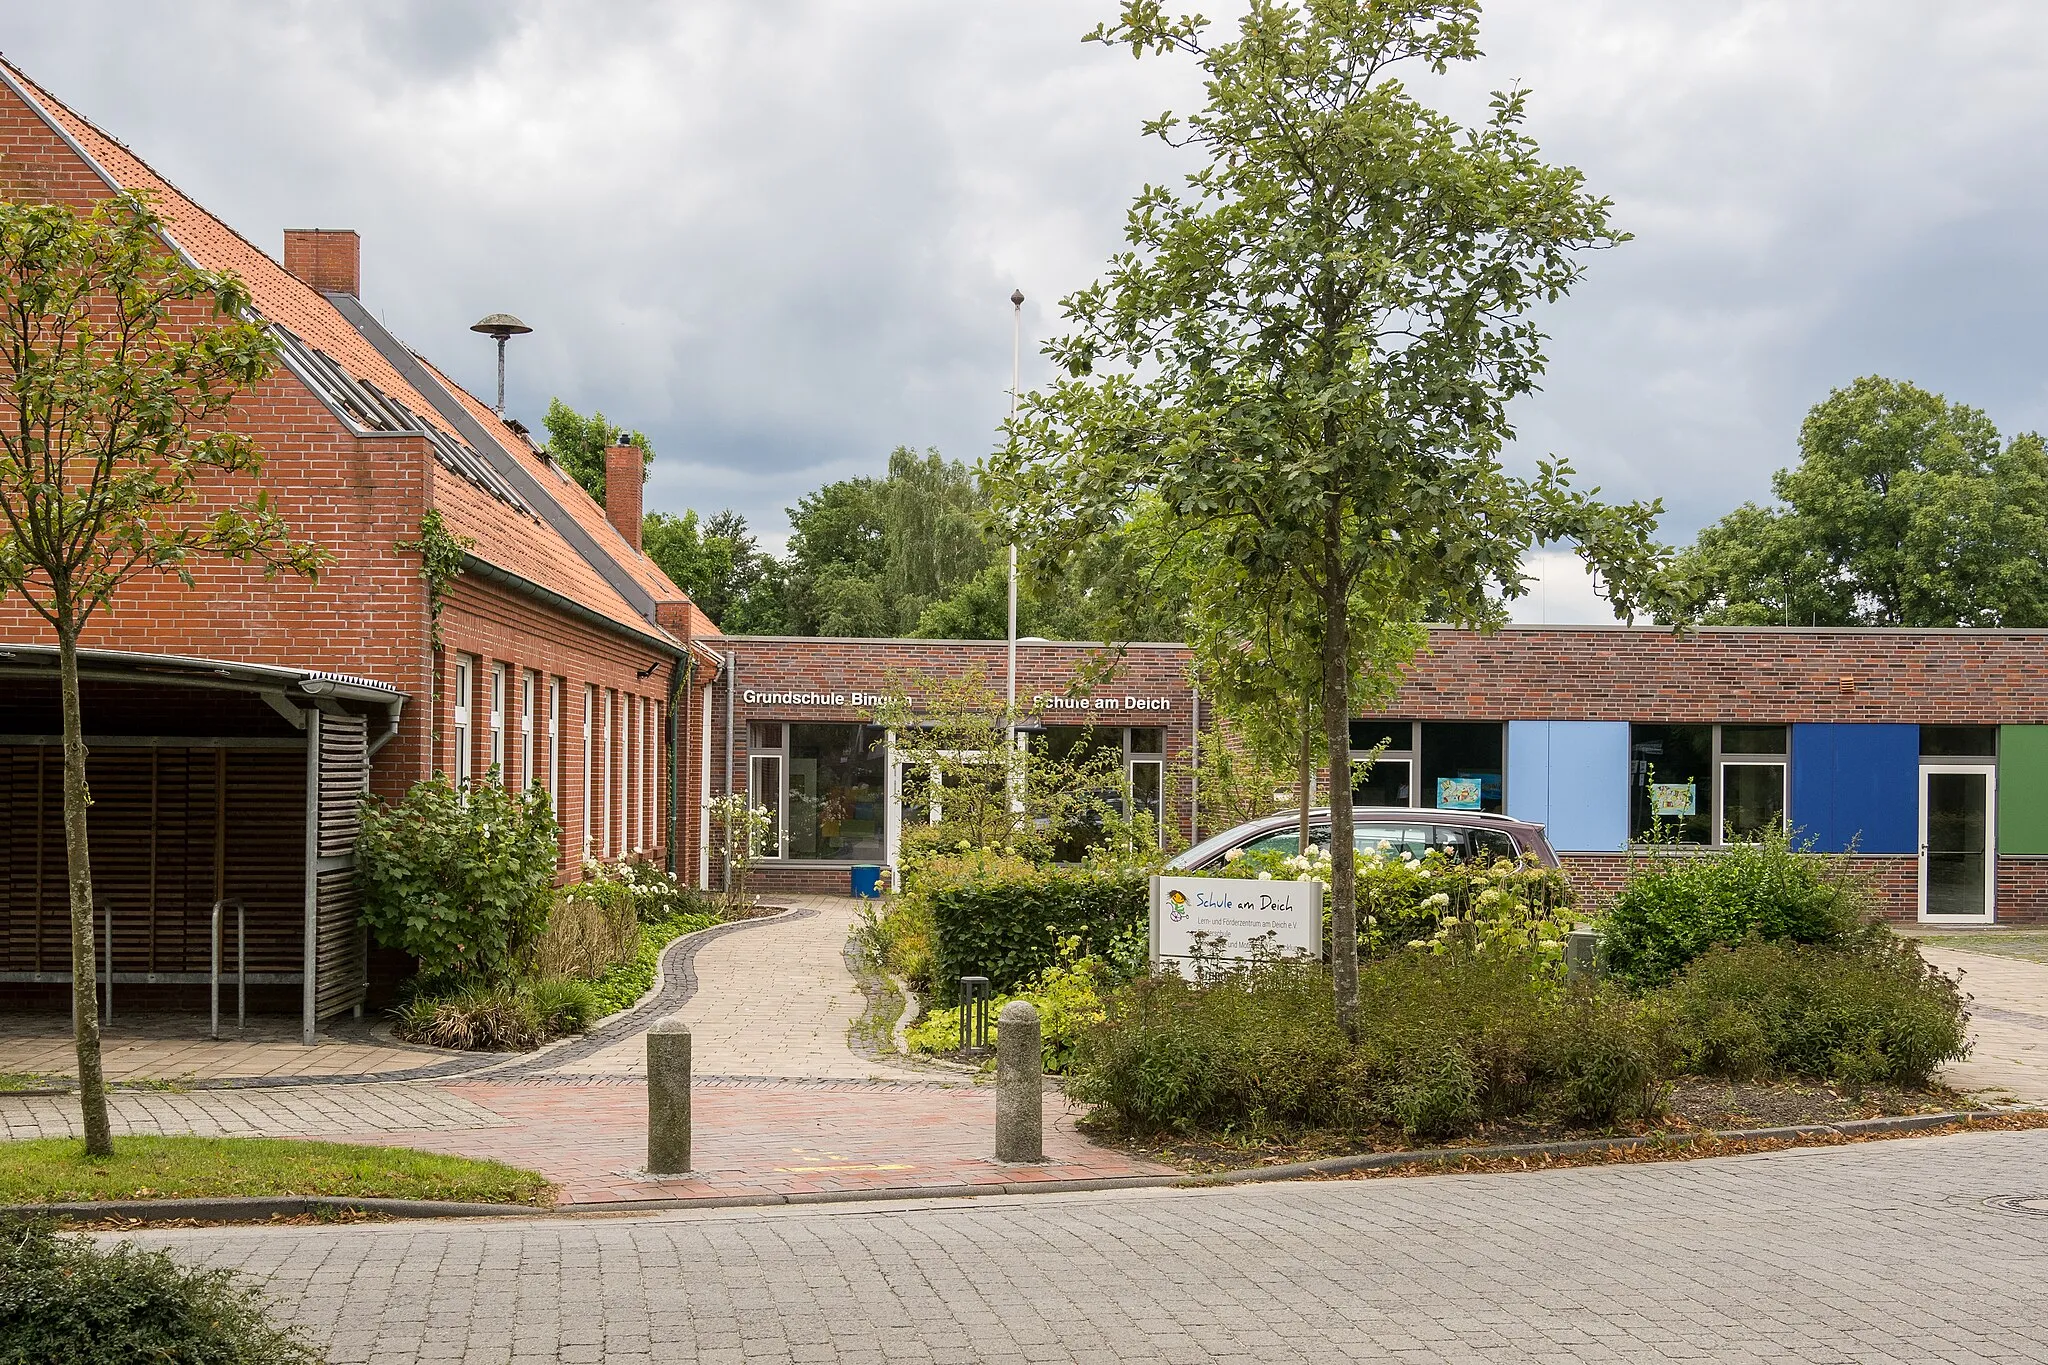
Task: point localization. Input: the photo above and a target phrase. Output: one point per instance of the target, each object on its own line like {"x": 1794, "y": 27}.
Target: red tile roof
{"x": 503, "y": 535}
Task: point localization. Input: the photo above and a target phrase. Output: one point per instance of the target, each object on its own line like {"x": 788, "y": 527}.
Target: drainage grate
{"x": 2035, "y": 1204}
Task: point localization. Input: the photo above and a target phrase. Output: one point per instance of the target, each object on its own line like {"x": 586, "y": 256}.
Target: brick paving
{"x": 2008, "y": 1024}
{"x": 282, "y": 1111}
{"x": 762, "y": 1137}
{"x": 1882, "y": 1252}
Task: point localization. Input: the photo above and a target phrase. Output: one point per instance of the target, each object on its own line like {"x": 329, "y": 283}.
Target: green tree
{"x": 577, "y": 443}
{"x": 1308, "y": 355}
{"x": 720, "y": 566}
{"x": 1905, "y": 510}
{"x": 837, "y": 555}
{"x": 120, "y": 364}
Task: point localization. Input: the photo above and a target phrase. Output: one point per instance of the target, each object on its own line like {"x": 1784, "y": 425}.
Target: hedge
{"x": 1005, "y": 920}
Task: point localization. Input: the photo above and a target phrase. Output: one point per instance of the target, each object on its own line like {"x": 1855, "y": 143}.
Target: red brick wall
{"x": 1765, "y": 675}
{"x": 1147, "y": 673}
{"x": 496, "y": 626}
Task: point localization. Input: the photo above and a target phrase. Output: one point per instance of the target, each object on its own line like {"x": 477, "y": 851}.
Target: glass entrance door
{"x": 1958, "y": 808}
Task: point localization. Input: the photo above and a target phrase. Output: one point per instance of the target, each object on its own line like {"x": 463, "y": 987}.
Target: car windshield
{"x": 1453, "y": 841}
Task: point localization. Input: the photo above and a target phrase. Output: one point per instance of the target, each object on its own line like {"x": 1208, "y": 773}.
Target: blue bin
{"x": 867, "y": 881}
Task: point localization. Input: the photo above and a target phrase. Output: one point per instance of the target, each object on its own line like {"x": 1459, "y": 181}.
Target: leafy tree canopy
{"x": 1905, "y": 510}
{"x": 1306, "y": 357}
{"x": 720, "y": 566}
{"x": 577, "y": 443}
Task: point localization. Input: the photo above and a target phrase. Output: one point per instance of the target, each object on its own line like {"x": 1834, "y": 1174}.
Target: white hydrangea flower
{"x": 1265, "y": 876}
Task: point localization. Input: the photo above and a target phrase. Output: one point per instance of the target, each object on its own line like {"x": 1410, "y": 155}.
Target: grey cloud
{"x": 779, "y": 234}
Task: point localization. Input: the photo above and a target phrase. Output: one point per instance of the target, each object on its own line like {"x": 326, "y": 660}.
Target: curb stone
{"x": 263, "y": 1209}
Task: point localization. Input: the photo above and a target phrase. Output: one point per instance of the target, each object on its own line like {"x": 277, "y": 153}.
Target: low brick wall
{"x": 2022, "y": 883}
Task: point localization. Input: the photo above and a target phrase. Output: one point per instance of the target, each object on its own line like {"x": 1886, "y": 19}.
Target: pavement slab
{"x": 330, "y": 1111}
{"x": 2008, "y": 1059}
{"x": 1889, "y": 1251}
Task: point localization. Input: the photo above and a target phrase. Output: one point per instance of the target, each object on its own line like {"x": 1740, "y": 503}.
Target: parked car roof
{"x": 1531, "y": 834}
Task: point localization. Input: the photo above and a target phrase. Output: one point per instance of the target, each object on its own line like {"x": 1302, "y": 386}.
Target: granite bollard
{"x": 1020, "y": 1084}
{"x": 668, "y": 1098}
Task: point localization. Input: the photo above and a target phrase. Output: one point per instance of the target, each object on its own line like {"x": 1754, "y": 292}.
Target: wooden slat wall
{"x": 162, "y": 852}
{"x": 340, "y": 951}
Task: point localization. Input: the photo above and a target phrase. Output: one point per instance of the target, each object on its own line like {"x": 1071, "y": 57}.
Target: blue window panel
{"x": 1571, "y": 776}
{"x": 1856, "y": 784}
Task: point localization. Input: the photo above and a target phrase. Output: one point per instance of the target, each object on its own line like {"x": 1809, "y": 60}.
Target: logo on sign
{"x": 1179, "y": 902}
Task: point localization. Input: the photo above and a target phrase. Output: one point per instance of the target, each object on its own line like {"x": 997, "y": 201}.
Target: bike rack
{"x": 241, "y": 962}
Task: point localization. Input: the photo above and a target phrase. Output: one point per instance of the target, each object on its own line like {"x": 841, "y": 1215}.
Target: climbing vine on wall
{"x": 440, "y": 551}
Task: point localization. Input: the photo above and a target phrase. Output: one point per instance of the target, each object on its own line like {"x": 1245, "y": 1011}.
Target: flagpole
{"x": 1016, "y": 370}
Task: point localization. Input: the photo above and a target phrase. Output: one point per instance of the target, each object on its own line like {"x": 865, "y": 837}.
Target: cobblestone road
{"x": 1885, "y": 1251}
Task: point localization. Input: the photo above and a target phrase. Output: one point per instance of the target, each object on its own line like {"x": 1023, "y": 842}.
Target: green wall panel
{"x": 2023, "y": 789}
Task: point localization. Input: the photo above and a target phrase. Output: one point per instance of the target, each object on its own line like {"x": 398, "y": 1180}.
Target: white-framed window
{"x": 650, "y": 787}
{"x": 630, "y": 786}
{"x": 528, "y": 685}
{"x": 767, "y": 759}
{"x": 555, "y": 744}
{"x": 588, "y": 792}
{"x": 611, "y": 787}
{"x": 497, "y": 763}
{"x": 465, "y": 672}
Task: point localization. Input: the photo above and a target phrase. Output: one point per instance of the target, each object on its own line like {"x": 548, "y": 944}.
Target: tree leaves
{"x": 119, "y": 365}
{"x": 1905, "y": 510}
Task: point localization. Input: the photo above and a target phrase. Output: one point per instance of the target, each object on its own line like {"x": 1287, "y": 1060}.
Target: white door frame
{"x": 1990, "y": 775}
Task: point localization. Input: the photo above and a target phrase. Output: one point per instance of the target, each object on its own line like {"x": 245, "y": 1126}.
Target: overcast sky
{"x": 780, "y": 235}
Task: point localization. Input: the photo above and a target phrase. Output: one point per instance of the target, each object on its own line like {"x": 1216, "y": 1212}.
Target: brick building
{"x": 1923, "y": 752}
{"x": 233, "y": 724}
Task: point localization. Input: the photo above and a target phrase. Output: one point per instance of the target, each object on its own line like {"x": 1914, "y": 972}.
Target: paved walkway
{"x": 782, "y": 1104}
{"x": 174, "y": 1047}
{"x": 1890, "y": 1251}
{"x": 2008, "y": 1023}
{"x": 333, "y": 1111}
{"x": 772, "y": 1000}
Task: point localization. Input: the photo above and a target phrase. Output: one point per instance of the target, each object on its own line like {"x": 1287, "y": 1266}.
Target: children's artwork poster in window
{"x": 1669, "y": 800}
{"x": 1457, "y": 793}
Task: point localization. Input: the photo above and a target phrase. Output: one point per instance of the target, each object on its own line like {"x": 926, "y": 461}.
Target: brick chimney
{"x": 625, "y": 469}
{"x": 329, "y": 259}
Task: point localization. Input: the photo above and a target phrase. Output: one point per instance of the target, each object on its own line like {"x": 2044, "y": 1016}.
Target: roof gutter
{"x": 569, "y": 606}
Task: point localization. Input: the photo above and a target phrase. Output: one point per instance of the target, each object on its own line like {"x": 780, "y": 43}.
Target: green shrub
{"x": 1004, "y": 919}
{"x": 902, "y": 938}
{"x": 1069, "y": 996}
{"x": 1445, "y": 1039}
{"x": 460, "y": 880}
{"x": 504, "y": 1016}
{"x": 1870, "y": 1014}
{"x": 68, "y": 1299}
{"x": 1258, "y": 1047}
{"x": 1674, "y": 908}
{"x": 653, "y": 894}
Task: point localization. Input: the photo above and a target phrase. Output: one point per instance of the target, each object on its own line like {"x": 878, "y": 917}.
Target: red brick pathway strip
{"x": 765, "y": 1138}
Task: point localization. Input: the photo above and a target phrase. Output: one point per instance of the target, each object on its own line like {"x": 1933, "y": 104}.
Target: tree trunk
{"x": 1307, "y": 775}
{"x": 1343, "y": 844}
{"x": 85, "y": 1003}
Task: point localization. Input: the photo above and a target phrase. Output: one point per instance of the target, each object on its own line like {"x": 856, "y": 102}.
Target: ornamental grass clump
{"x": 1875, "y": 1015}
{"x": 69, "y": 1299}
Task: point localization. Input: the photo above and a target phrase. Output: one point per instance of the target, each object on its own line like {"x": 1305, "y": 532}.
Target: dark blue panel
{"x": 1857, "y": 784}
